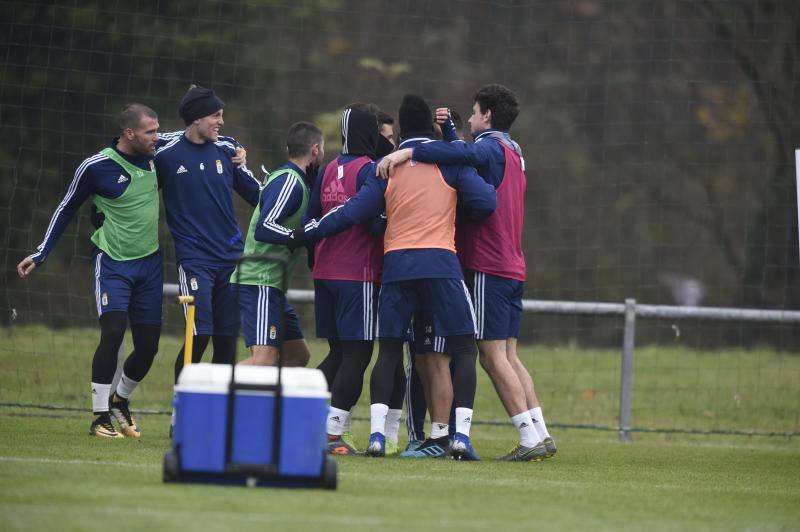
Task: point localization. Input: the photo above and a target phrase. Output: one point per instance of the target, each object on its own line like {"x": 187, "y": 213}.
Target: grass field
{"x": 674, "y": 387}
{"x": 53, "y": 476}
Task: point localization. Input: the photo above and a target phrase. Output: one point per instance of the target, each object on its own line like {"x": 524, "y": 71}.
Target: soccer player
{"x": 198, "y": 173}
{"x": 127, "y": 261}
{"x": 421, "y": 270}
{"x": 347, "y": 272}
{"x": 262, "y": 285}
{"x": 491, "y": 253}
{"x": 417, "y": 384}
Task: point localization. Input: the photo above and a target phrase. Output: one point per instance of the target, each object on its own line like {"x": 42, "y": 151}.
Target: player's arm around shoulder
{"x": 244, "y": 182}
{"x": 361, "y": 208}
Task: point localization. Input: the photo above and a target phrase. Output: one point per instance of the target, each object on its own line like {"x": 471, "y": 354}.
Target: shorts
{"x": 425, "y": 338}
{"x": 263, "y": 309}
{"x": 447, "y": 300}
{"x": 345, "y": 310}
{"x": 133, "y": 286}
{"x": 215, "y": 309}
{"x": 498, "y": 305}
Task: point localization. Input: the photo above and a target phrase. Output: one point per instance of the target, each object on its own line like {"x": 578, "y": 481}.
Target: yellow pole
{"x": 187, "y": 349}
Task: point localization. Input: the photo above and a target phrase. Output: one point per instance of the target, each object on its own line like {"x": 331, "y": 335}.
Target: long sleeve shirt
{"x": 198, "y": 182}
{"x": 281, "y": 198}
{"x": 485, "y": 154}
{"x": 97, "y": 174}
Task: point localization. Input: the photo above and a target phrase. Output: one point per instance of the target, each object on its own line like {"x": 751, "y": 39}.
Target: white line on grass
{"x": 71, "y": 462}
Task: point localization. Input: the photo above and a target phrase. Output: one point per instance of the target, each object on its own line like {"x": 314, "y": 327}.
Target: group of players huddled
{"x": 418, "y": 243}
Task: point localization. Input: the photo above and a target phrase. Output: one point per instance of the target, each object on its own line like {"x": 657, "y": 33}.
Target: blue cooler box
{"x": 201, "y": 411}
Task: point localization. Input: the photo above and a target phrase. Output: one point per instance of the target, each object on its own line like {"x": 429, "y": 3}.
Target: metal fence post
{"x": 626, "y": 371}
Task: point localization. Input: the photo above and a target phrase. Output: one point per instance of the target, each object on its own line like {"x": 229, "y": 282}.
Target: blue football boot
{"x": 461, "y": 449}
{"x": 430, "y": 448}
{"x": 377, "y": 445}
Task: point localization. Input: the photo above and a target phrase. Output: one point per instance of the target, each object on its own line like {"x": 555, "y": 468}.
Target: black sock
{"x": 399, "y": 387}
{"x": 465, "y": 354}
{"x": 145, "y": 347}
{"x": 112, "y": 331}
{"x": 224, "y": 349}
{"x": 198, "y": 348}
{"x": 330, "y": 364}
{"x": 349, "y": 380}
{"x": 381, "y": 384}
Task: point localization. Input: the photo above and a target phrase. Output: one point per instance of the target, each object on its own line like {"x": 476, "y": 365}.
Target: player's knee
{"x": 112, "y": 327}
{"x": 489, "y": 362}
{"x": 146, "y": 339}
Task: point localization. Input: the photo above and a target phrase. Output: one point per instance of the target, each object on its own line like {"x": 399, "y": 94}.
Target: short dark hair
{"x": 132, "y": 114}
{"x": 300, "y": 138}
{"x": 501, "y": 102}
{"x": 384, "y": 118}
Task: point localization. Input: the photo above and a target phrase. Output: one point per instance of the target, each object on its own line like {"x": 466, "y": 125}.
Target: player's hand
{"x": 386, "y": 165}
{"x": 297, "y": 239}
{"x": 442, "y": 115}
{"x": 25, "y": 267}
{"x": 240, "y": 159}
{"x": 97, "y": 217}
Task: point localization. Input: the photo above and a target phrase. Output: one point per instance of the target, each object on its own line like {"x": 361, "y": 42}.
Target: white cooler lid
{"x": 215, "y": 378}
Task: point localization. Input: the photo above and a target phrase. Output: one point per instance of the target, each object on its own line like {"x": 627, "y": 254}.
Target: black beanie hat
{"x": 415, "y": 117}
{"x": 197, "y": 103}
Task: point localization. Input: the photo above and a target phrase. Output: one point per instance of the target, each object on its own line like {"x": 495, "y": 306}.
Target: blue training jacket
{"x": 281, "y": 198}
{"x": 198, "y": 182}
{"x": 485, "y": 154}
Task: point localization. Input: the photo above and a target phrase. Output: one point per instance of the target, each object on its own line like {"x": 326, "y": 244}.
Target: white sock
{"x": 348, "y": 423}
{"x": 377, "y": 418}
{"x": 538, "y": 422}
{"x": 126, "y": 386}
{"x": 439, "y": 429}
{"x": 336, "y": 420}
{"x": 463, "y": 420}
{"x": 528, "y": 437}
{"x": 393, "y": 424}
{"x": 100, "y": 393}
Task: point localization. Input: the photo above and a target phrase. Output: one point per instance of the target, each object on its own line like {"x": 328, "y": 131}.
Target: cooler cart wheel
{"x": 329, "y": 473}
{"x": 170, "y": 466}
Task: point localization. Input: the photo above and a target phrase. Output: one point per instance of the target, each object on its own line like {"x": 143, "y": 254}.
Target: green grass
{"x": 674, "y": 387}
{"x": 54, "y": 477}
